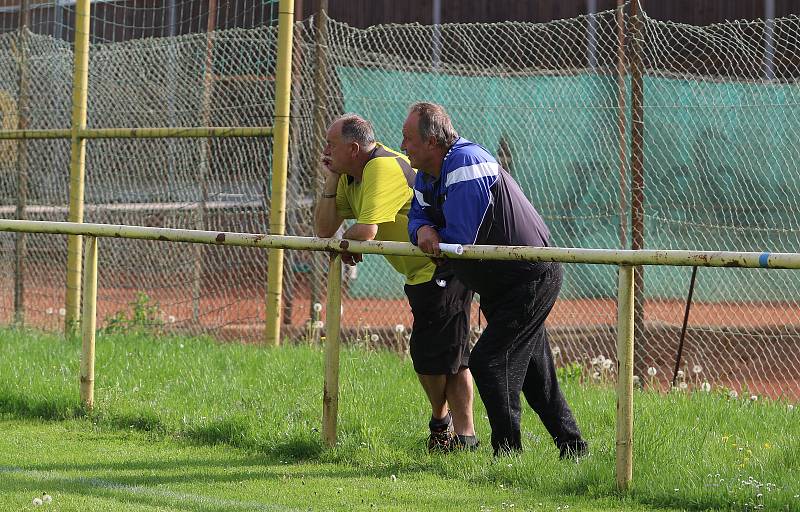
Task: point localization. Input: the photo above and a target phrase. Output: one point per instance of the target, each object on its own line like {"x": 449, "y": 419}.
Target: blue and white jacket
{"x": 475, "y": 201}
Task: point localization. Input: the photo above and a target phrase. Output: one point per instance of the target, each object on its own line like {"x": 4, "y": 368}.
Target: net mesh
{"x": 720, "y": 107}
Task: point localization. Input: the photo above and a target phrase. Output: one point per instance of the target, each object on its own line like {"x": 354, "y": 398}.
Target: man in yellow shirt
{"x": 372, "y": 184}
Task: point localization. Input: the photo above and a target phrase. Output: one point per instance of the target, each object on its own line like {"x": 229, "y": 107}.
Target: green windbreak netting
{"x": 711, "y": 172}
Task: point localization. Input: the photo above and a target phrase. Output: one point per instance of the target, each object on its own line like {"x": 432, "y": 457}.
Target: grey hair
{"x": 434, "y": 122}
{"x": 357, "y": 129}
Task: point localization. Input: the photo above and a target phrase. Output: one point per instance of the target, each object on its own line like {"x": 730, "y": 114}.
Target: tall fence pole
{"x": 637, "y": 164}
{"x": 591, "y": 33}
{"x": 77, "y": 164}
{"x": 769, "y": 43}
{"x": 622, "y": 71}
{"x": 201, "y": 220}
{"x": 280, "y": 161}
{"x": 320, "y": 118}
{"x": 436, "y": 41}
{"x": 22, "y": 163}
{"x": 303, "y": 155}
{"x": 88, "y": 323}
{"x": 625, "y": 343}
{"x": 330, "y": 392}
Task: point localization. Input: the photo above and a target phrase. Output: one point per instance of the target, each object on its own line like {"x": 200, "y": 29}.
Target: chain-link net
{"x": 720, "y": 108}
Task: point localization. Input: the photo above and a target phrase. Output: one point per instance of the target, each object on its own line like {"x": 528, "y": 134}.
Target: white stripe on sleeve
{"x": 471, "y": 172}
{"x": 420, "y": 200}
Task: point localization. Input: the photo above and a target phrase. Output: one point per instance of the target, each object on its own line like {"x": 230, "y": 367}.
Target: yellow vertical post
{"x": 77, "y": 162}
{"x": 280, "y": 164}
{"x": 88, "y": 323}
{"x": 625, "y": 341}
{"x": 330, "y": 393}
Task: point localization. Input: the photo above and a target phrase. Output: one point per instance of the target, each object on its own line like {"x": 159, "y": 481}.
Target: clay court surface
{"x": 744, "y": 345}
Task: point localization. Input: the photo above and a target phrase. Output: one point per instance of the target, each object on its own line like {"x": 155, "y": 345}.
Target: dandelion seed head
{"x": 680, "y": 374}
{"x": 171, "y": 319}
{"x": 733, "y": 394}
{"x": 607, "y": 364}
{"x": 374, "y": 337}
{"x": 37, "y": 502}
{"x": 683, "y": 386}
{"x": 601, "y": 358}
{"x": 62, "y": 312}
{"x": 705, "y": 386}
{"x": 49, "y": 311}
{"x": 652, "y": 371}
{"x": 399, "y": 328}
{"x": 596, "y": 375}
{"x": 697, "y": 368}
{"x": 46, "y": 498}
{"x": 317, "y": 307}
{"x": 556, "y": 351}
{"x": 753, "y": 398}
{"x": 319, "y": 324}
{"x": 595, "y": 361}
{"x": 635, "y": 379}
{"x": 790, "y": 407}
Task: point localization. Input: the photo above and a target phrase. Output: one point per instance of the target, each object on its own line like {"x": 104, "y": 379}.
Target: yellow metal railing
{"x": 78, "y": 134}
{"x": 625, "y": 259}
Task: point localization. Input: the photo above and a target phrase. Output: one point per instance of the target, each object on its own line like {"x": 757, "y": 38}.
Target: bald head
{"x": 355, "y": 128}
{"x": 349, "y": 141}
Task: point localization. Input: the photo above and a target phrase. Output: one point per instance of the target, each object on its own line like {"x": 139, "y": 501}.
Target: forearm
{"x": 417, "y": 218}
{"x": 326, "y": 219}
{"x": 361, "y": 232}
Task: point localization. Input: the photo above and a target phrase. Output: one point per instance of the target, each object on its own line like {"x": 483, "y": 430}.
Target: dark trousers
{"x": 513, "y": 356}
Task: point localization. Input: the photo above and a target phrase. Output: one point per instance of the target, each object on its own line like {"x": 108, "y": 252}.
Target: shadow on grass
{"x": 58, "y": 408}
{"x": 145, "y": 421}
{"x": 237, "y": 431}
{"x": 64, "y": 408}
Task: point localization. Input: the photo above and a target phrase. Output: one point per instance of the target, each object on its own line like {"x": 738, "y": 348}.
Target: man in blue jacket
{"x": 463, "y": 196}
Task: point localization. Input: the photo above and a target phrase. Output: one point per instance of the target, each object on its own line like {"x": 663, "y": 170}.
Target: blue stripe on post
{"x": 763, "y": 260}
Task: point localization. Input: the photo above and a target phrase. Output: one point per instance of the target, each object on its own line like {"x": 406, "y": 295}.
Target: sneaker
{"x": 573, "y": 450}
{"x": 442, "y": 437}
{"x": 466, "y": 443}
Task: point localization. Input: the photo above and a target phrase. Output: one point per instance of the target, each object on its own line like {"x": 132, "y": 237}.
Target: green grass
{"x": 189, "y": 424}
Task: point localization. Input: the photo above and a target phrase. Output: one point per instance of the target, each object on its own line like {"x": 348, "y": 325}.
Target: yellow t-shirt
{"x": 383, "y": 197}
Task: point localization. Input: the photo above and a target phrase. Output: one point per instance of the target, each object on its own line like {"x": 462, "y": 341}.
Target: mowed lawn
{"x": 191, "y": 424}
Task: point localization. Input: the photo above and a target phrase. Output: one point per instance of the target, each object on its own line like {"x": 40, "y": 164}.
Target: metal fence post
{"x": 280, "y": 162}
{"x": 625, "y": 330}
{"x": 77, "y": 166}
{"x": 330, "y": 394}
{"x": 88, "y": 322}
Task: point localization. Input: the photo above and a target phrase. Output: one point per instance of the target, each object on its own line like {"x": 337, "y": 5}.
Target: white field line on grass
{"x": 53, "y": 479}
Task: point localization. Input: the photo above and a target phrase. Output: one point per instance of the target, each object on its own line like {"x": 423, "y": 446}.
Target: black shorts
{"x": 440, "y": 335}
